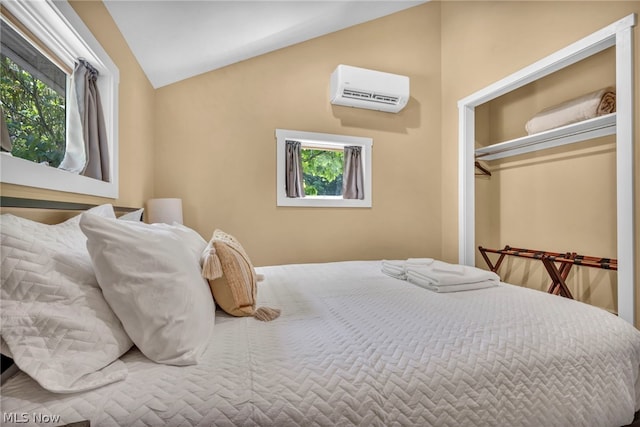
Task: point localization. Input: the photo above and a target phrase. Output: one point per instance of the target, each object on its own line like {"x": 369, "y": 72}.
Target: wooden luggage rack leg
{"x": 492, "y": 267}
{"x": 558, "y": 276}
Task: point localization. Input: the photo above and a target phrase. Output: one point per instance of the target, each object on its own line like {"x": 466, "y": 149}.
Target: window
{"x": 322, "y": 168}
{"x": 33, "y": 93}
{"x": 41, "y": 42}
{"x": 322, "y": 165}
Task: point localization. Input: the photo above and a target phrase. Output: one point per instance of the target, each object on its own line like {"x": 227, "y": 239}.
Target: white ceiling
{"x": 174, "y": 40}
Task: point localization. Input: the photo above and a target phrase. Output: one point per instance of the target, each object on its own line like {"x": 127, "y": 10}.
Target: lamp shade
{"x": 166, "y": 210}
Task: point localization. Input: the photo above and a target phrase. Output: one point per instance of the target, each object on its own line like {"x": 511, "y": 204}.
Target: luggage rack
{"x": 549, "y": 259}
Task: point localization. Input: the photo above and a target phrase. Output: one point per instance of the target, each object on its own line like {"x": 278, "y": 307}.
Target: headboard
{"x": 48, "y": 211}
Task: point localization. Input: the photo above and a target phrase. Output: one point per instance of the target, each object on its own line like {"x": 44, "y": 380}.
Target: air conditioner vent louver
{"x": 356, "y": 94}
{"x": 386, "y": 99}
{"x": 374, "y": 90}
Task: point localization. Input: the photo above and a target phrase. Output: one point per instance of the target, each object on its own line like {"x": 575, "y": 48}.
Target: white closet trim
{"x": 618, "y": 34}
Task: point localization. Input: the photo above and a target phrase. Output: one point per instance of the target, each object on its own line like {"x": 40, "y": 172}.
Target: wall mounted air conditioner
{"x": 374, "y": 90}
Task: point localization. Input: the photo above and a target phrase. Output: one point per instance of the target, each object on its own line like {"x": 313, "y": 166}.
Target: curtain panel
{"x": 293, "y": 166}
{"x": 5, "y": 139}
{"x": 353, "y": 175}
{"x": 87, "y": 149}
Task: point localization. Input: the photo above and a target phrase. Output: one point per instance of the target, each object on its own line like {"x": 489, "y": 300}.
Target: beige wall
{"x": 136, "y": 119}
{"x": 558, "y": 200}
{"x": 210, "y": 139}
{"x": 216, "y": 145}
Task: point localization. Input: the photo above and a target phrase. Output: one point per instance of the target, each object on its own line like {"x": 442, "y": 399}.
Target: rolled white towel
{"x": 584, "y": 107}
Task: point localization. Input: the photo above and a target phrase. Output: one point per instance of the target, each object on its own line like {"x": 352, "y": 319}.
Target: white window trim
{"x": 320, "y": 139}
{"x": 60, "y": 28}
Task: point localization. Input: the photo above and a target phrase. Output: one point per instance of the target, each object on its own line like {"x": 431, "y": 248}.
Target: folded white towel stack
{"x": 398, "y": 268}
{"x": 444, "y": 277}
{"x": 458, "y": 288}
{"x": 440, "y": 276}
{"x": 394, "y": 269}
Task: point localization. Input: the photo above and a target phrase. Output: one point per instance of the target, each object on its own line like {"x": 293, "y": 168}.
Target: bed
{"x": 354, "y": 346}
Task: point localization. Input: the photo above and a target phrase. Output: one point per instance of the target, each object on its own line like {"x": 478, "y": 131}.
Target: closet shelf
{"x": 569, "y": 134}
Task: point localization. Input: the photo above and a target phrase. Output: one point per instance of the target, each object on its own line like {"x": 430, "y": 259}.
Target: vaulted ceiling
{"x": 174, "y": 40}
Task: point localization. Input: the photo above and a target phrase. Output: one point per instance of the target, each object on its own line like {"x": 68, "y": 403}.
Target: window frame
{"x": 311, "y": 140}
{"x": 57, "y": 27}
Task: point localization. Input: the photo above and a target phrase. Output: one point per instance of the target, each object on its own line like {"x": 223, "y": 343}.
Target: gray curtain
{"x": 352, "y": 177}
{"x": 93, "y": 126}
{"x": 5, "y": 140}
{"x": 293, "y": 166}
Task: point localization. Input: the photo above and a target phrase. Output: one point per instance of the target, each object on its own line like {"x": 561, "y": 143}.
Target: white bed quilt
{"x": 356, "y": 347}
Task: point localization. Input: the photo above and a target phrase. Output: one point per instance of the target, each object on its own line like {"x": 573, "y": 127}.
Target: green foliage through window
{"x": 322, "y": 171}
{"x": 34, "y": 113}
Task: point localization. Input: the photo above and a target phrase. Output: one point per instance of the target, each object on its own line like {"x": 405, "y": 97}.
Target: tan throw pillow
{"x": 232, "y": 278}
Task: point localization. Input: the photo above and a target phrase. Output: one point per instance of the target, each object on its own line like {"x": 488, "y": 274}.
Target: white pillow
{"x": 54, "y": 320}
{"x": 194, "y": 241}
{"x": 66, "y": 231}
{"x": 132, "y": 216}
{"x": 152, "y": 280}
{"x": 105, "y": 210}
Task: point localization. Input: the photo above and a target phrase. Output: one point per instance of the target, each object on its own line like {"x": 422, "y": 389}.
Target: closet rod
{"x": 483, "y": 170}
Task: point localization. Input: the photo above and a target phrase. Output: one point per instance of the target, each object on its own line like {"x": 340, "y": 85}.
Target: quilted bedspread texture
{"x": 356, "y": 347}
